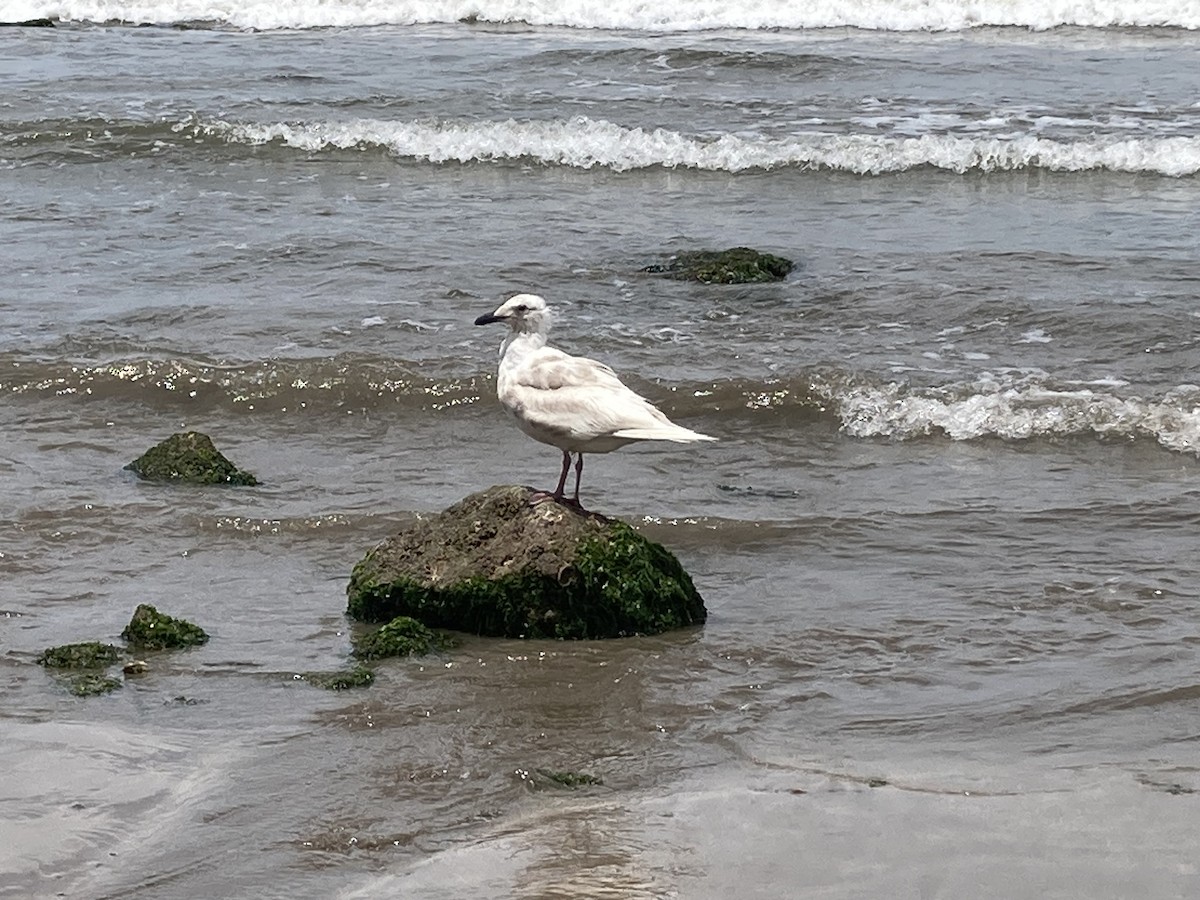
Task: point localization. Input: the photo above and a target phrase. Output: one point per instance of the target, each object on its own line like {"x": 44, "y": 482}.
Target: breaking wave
{"x": 631, "y": 15}
{"x": 585, "y": 143}
{"x": 1022, "y": 412}
{"x": 1008, "y": 408}
{"x": 1014, "y": 409}
{"x": 333, "y": 384}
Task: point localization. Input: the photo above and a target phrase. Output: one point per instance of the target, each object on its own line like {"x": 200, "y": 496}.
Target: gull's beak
{"x": 489, "y": 319}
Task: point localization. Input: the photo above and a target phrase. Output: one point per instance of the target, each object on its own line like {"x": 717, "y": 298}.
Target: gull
{"x": 573, "y": 403}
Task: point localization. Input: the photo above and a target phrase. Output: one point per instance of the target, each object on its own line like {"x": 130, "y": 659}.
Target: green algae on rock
{"x": 151, "y": 630}
{"x": 91, "y": 684}
{"x": 85, "y": 655}
{"x": 570, "y": 779}
{"x": 344, "y": 680}
{"x": 403, "y": 636}
{"x": 498, "y": 564}
{"x": 737, "y": 265}
{"x": 191, "y": 458}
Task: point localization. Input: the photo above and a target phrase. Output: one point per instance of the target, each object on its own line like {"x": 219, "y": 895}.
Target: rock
{"x": 29, "y": 23}
{"x": 189, "y": 457}
{"x": 87, "y": 655}
{"x": 570, "y": 779}
{"x": 136, "y": 667}
{"x": 360, "y": 676}
{"x": 495, "y": 564}
{"x": 183, "y": 701}
{"x": 91, "y": 684}
{"x": 151, "y": 630}
{"x": 403, "y": 636}
{"x": 738, "y": 265}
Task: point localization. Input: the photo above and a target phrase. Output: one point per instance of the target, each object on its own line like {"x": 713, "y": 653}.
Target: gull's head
{"x": 521, "y": 313}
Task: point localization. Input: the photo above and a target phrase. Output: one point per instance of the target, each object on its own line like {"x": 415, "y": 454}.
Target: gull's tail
{"x": 668, "y": 432}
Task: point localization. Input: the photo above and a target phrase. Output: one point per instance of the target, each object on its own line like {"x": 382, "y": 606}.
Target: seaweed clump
{"x": 737, "y": 265}
{"x": 91, "y": 684}
{"x": 360, "y": 676}
{"x": 147, "y": 630}
{"x": 85, "y": 655}
{"x": 151, "y": 630}
{"x": 497, "y": 563}
{"x": 79, "y": 658}
{"x": 570, "y": 779}
{"x": 189, "y": 457}
{"x": 403, "y": 636}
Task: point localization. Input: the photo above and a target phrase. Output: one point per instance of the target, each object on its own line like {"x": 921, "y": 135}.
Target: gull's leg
{"x": 578, "y": 475}
{"x": 562, "y": 479}
{"x": 542, "y": 496}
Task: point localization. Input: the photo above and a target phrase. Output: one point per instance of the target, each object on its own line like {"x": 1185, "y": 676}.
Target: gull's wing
{"x": 552, "y": 370}
{"x": 562, "y": 394}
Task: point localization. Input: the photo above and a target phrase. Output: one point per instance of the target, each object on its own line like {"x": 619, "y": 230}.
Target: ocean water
{"x": 947, "y": 536}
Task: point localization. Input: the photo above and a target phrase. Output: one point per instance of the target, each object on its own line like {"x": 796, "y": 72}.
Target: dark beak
{"x": 489, "y": 319}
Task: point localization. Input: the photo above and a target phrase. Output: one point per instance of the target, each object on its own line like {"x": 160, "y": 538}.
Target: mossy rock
{"x": 738, "y": 265}
{"x": 86, "y": 655}
{"x": 498, "y": 564}
{"x": 92, "y": 684}
{"x": 191, "y": 458}
{"x": 151, "y": 630}
{"x": 570, "y": 779}
{"x": 403, "y": 636}
{"x": 344, "y": 680}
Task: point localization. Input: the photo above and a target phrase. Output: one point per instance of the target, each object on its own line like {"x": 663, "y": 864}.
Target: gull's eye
{"x": 522, "y": 308}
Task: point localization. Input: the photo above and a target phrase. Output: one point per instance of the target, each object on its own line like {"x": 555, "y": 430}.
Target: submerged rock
{"x": 495, "y": 564}
{"x": 344, "y": 680}
{"x": 569, "y": 779}
{"x": 86, "y": 655}
{"x": 147, "y": 630}
{"x": 151, "y": 630}
{"x": 189, "y": 457}
{"x": 403, "y": 636}
{"x": 737, "y": 265}
{"x": 92, "y": 684}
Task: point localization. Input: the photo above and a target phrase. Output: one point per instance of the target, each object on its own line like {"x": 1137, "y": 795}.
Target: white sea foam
{"x": 1022, "y": 411}
{"x": 587, "y": 143}
{"x": 1035, "y": 336}
{"x": 685, "y": 15}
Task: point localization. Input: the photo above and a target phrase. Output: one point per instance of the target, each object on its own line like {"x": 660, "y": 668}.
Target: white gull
{"x": 573, "y": 403}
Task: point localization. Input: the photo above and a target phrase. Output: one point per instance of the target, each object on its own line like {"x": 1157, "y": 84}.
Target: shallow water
{"x": 945, "y": 539}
